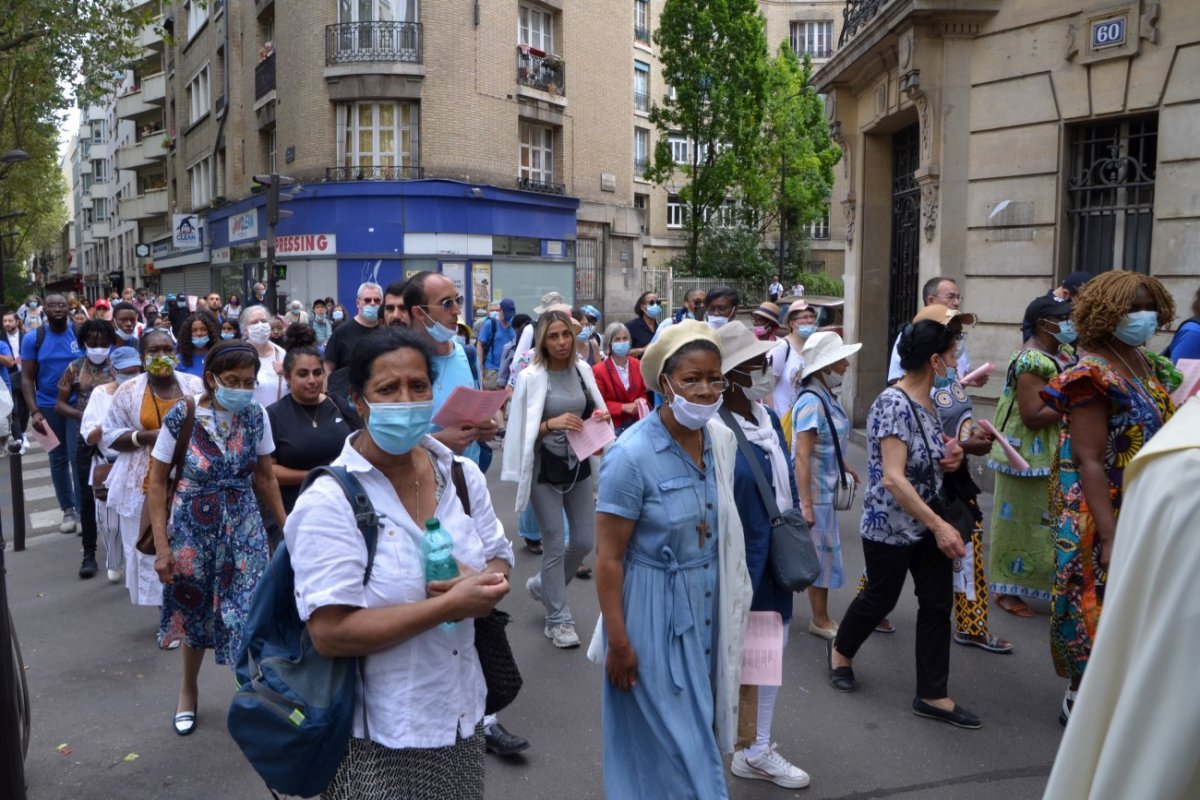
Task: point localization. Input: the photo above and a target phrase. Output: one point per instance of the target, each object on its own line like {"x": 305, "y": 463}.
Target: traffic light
{"x": 281, "y": 272}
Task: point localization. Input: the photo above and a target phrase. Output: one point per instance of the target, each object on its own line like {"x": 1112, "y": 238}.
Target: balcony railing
{"x": 640, "y": 166}
{"x": 538, "y": 70}
{"x": 264, "y": 77}
{"x": 530, "y": 185}
{"x": 641, "y": 33}
{"x": 641, "y": 101}
{"x": 856, "y": 15}
{"x": 355, "y": 42}
{"x": 374, "y": 173}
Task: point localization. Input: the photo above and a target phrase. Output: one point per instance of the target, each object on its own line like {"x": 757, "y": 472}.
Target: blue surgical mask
{"x": 439, "y": 332}
{"x": 398, "y": 427}
{"x": 234, "y": 399}
{"x": 621, "y": 348}
{"x": 370, "y": 313}
{"x": 1136, "y": 327}
{"x": 1066, "y": 331}
{"x": 122, "y": 377}
{"x": 654, "y": 311}
{"x": 805, "y": 331}
{"x": 493, "y": 315}
{"x": 943, "y": 381}
{"x": 461, "y": 339}
{"x": 586, "y": 333}
{"x": 200, "y": 341}
{"x": 226, "y": 335}
{"x": 125, "y": 337}
{"x": 338, "y": 316}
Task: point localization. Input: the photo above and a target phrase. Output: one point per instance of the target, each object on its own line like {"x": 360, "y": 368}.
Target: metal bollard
{"x": 17, "y": 481}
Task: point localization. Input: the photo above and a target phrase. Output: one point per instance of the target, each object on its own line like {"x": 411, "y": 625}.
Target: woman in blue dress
{"x": 213, "y": 553}
{"x": 672, "y": 580}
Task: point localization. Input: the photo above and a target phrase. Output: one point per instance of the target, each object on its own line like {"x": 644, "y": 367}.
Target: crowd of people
{"x": 187, "y": 431}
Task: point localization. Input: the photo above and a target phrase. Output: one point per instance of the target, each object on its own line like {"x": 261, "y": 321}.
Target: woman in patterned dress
{"x": 213, "y": 553}
{"x": 1114, "y": 400}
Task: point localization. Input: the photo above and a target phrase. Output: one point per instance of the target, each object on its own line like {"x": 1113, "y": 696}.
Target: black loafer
{"x": 842, "y": 678}
{"x": 959, "y": 717}
{"x": 502, "y": 743}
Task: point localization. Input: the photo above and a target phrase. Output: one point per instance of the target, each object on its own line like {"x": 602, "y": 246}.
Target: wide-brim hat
{"x": 944, "y": 314}
{"x": 824, "y": 348}
{"x": 798, "y": 305}
{"x": 669, "y": 340}
{"x": 768, "y": 311}
{"x": 576, "y": 325}
{"x": 549, "y": 299}
{"x": 739, "y": 345}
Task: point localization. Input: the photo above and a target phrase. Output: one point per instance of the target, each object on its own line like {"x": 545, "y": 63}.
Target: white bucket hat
{"x": 824, "y": 348}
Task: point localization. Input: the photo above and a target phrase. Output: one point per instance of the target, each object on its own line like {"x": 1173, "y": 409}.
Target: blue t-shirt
{"x": 494, "y": 337}
{"x": 197, "y": 367}
{"x": 450, "y": 372}
{"x": 1186, "y": 343}
{"x": 7, "y": 352}
{"x": 57, "y": 351}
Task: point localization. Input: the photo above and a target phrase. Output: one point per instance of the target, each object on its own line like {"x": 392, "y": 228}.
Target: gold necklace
{"x": 304, "y": 411}
{"x": 1132, "y": 373}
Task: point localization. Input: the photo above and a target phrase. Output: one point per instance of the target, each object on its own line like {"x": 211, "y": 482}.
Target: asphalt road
{"x": 103, "y": 696}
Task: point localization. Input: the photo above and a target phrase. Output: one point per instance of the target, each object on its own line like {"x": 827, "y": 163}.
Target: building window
{"x": 199, "y": 97}
{"x": 98, "y": 132}
{"x": 726, "y": 214}
{"x": 100, "y": 171}
{"x": 379, "y": 139}
{"x": 536, "y": 29}
{"x": 537, "y": 153}
{"x": 819, "y": 228}
{"x": 200, "y": 177}
{"x": 812, "y": 38}
{"x": 374, "y": 11}
{"x": 197, "y": 15}
{"x": 641, "y": 21}
{"x": 641, "y": 86}
{"x": 100, "y": 208}
{"x": 641, "y": 151}
{"x": 1110, "y": 194}
{"x": 676, "y": 211}
{"x": 681, "y": 149}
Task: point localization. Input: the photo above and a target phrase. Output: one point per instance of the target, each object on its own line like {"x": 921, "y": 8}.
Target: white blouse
{"x": 426, "y": 690}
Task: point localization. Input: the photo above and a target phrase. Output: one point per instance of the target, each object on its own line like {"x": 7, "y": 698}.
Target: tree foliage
{"x": 714, "y": 55}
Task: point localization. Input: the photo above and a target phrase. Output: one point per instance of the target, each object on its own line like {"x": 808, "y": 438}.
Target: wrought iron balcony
{"x": 355, "y": 42}
{"x": 374, "y": 173}
{"x": 641, "y": 33}
{"x": 264, "y": 77}
{"x": 856, "y": 16}
{"x": 641, "y": 101}
{"x": 640, "y": 165}
{"x": 539, "y": 70}
{"x": 530, "y": 185}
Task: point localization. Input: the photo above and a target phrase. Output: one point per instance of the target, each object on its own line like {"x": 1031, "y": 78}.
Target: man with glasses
{"x": 434, "y": 305}
{"x": 45, "y": 356}
{"x": 345, "y": 336}
{"x": 943, "y": 291}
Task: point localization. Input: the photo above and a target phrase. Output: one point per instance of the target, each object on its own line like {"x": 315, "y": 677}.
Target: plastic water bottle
{"x": 437, "y": 548}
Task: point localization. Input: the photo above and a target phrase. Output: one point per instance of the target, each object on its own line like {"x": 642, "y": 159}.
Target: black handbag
{"x": 496, "y": 659}
{"x": 793, "y": 562}
{"x": 567, "y": 470}
{"x": 950, "y": 503}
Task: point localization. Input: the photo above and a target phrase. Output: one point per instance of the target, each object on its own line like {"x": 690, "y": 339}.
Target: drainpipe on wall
{"x": 220, "y": 140}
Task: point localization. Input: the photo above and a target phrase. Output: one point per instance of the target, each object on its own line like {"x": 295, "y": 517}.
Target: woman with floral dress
{"x": 214, "y": 551}
{"x": 1113, "y": 400}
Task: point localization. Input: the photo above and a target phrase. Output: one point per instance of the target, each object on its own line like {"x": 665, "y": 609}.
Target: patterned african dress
{"x": 216, "y": 533}
{"x": 1136, "y": 411}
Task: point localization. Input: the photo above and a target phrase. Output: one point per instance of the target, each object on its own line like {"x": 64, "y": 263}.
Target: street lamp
{"x": 15, "y": 156}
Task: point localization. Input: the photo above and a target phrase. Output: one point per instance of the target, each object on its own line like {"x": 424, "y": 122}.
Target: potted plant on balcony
{"x": 168, "y": 141}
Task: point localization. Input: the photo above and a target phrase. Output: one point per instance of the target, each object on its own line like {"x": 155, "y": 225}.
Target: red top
{"x": 614, "y": 392}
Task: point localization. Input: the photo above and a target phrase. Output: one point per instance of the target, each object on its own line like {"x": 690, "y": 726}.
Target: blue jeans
{"x": 62, "y": 458}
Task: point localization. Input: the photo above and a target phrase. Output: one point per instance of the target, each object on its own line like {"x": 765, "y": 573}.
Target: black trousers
{"x": 933, "y": 583}
{"x": 87, "y": 500}
{"x": 20, "y": 412}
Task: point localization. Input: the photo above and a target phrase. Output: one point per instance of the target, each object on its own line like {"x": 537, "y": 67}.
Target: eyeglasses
{"x": 449, "y": 303}
{"x": 696, "y": 386}
{"x": 371, "y": 301}
{"x": 250, "y": 384}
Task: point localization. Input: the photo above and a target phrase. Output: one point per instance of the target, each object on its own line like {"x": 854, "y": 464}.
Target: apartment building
{"x": 500, "y": 142}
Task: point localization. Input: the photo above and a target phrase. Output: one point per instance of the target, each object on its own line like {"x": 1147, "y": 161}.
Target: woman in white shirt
{"x": 256, "y": 327}
{"x": 424, "y": 690}
{"x": 786, "y": 361}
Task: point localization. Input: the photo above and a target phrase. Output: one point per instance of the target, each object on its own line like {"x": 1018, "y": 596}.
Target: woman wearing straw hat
{"x": 748, "y": 380}
{"x": 820, "y": 434}
{"x": 672, "y": 581}
{"x": 766, "y": 321}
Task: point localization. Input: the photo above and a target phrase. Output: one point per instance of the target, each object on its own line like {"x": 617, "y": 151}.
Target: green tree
{"x": 714, "y": 56}
{"x": 794, "y": 177}
{"x": 729, "y": 253}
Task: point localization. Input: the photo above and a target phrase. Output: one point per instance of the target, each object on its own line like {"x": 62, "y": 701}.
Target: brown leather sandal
{"x": 1014, "y": 605}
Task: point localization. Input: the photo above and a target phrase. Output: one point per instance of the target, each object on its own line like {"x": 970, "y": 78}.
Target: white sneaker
{"x": 116, "y": 575}
{"x": 563, "y": 636}
{"x": 70, "y": 521}
{"x": 769, "y": 766}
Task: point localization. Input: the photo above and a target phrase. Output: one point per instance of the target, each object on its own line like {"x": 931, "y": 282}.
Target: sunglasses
{"x": 450, "y": 303}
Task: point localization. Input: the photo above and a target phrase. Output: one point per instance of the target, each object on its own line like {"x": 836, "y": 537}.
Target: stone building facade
{"x": 1007, "y": 144}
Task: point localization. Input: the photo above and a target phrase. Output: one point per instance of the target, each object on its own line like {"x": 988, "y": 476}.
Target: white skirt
{"x": 145, "y": 589}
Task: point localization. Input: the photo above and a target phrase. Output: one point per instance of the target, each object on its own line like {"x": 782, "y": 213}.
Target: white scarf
{"x": 762, "y": 433}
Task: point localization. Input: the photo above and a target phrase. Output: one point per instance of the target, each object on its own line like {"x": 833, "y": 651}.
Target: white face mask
{"x": 97, "y": 355}
{"x": 762, "y": 383}
{"x": 258, "y": 332}
{"x": 832, "y": 379}
{"x": 716, "y": 323}
{"x": 693, "y": 416}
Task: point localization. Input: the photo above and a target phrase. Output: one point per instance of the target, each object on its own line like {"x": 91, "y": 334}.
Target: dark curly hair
{"x": 93, "y": 326}
{"x": 187, "y": 350}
